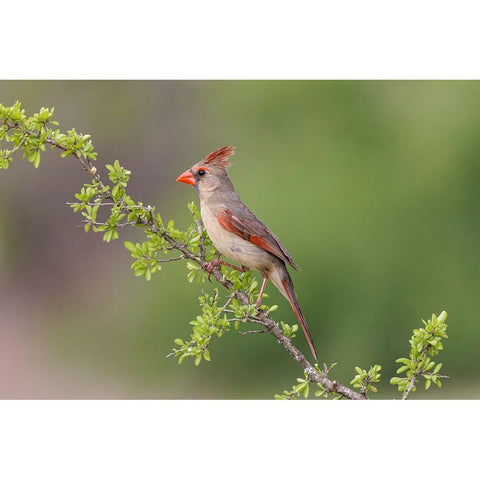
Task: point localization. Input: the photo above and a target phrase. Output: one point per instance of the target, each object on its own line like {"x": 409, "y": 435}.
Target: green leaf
{"x": 107, "y": 236}
{"x": 130, "y": 246}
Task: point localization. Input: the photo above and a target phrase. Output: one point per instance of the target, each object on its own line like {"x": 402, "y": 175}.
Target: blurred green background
{"x": 371, "y": 185}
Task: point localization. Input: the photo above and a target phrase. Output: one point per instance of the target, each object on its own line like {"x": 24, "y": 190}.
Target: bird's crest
{"x": 219, "y": 158}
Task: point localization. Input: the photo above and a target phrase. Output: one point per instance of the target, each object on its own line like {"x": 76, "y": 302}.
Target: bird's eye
{"x": 201, "y": 172}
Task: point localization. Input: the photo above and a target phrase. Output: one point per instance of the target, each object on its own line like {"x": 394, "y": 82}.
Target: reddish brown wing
{"x": 255, "y": 231}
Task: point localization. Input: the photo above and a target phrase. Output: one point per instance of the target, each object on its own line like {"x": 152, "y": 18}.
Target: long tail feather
{"x": 285, "y": 285}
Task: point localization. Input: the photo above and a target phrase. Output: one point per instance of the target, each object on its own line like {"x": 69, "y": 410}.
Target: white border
{"x": 236, "y": 439}
{"x": 256, "y": 39}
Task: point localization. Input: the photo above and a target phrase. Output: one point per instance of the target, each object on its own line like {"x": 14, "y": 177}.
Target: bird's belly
{"x": 244, "y": 252}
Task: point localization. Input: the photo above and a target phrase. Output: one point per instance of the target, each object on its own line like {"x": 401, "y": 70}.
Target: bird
{"x": 238, "y": 234}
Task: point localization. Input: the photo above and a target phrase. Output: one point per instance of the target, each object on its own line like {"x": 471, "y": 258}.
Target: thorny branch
{"x": 263, "y": 318}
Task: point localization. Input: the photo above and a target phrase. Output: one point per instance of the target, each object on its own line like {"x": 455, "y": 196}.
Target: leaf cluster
{"x": 288, "y": 330}
{"x": 300, "y": 389}
{"x": 212, "y": 322}
{"x": 425, "y": 343}
{"x": 364, "y": 379}
{"x": 34, "y": 133}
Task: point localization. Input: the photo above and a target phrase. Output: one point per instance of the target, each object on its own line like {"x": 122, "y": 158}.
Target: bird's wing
{"x": 250, "y": 228}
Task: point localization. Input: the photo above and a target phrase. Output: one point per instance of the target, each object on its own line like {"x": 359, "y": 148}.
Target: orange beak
{"x": 187, "y": 177}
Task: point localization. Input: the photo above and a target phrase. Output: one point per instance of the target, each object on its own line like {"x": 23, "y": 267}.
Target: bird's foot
{"x": 216, "y": 262}
{"x": 258, "y": 303}
{"x": 209, "y": 266}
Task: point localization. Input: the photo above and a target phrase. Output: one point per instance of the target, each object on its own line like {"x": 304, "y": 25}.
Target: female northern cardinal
{"x": 237, "y": 233}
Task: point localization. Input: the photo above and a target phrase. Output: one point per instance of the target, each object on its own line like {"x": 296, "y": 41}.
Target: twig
{"x": 173, "y": 259}
{"x": 244, "y": 319}
{"x": 250, "y": 332}
{"x": 201, "y": 245}
{"x": 410, "y": 386}
{"x": 365, "y": 384}
{"x": 100, "y": 224}
{"x": 108, "y": 204}
{"x": 16, "y": 148}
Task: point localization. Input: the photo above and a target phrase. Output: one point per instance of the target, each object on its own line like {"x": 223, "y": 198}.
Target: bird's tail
{"x": 282, "y": 280}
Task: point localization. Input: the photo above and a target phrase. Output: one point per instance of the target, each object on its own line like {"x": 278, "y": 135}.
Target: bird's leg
{"x": 240, "y": 269}
{"x": 209, "y": 266}
{"x": 260, "y": 295}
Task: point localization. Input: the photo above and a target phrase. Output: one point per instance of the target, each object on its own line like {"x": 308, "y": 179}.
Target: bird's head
{"x": 209, "y": 173}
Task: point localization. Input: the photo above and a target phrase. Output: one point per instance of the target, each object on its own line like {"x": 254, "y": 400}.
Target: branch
{"x": 411, "y": 384}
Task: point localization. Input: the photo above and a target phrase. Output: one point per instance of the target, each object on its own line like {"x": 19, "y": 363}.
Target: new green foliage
{"x": 32, "y": 135}
{"x": 426, "y": 342}
{"x": 364, "y": 379}
{"x": 300, "y": 389}
{"x": 212, "y": 322}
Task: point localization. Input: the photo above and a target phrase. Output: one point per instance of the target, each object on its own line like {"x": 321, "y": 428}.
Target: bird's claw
{"x": 216, "y": 262}
{"x": 209, "y": 266}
